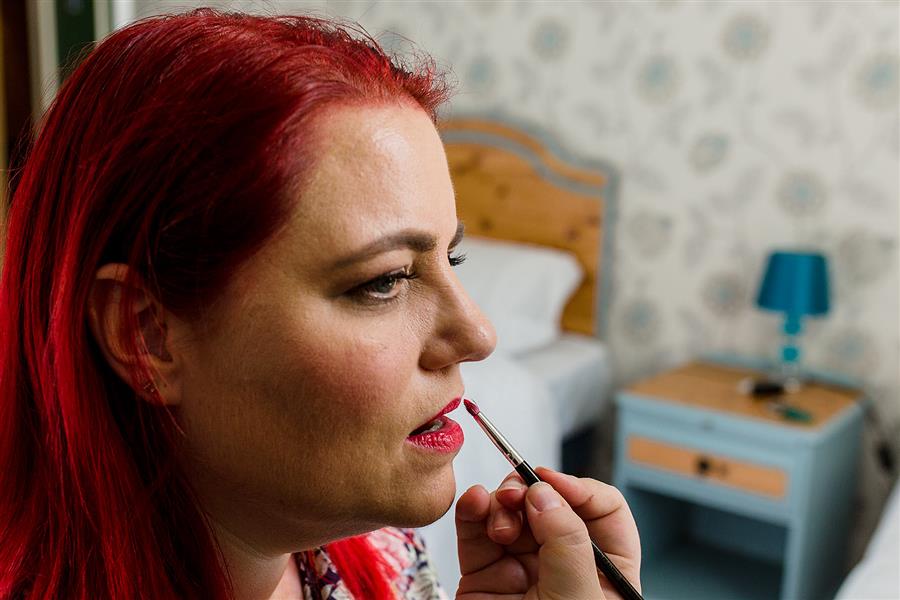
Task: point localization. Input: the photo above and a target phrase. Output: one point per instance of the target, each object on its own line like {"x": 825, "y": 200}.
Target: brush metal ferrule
{"x": 497, "y": 438}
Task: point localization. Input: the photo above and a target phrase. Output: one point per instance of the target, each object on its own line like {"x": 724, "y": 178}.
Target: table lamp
{"x": 796, "y": 284}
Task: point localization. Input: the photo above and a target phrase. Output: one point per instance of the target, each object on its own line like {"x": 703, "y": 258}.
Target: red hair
{"x": 175, "y": 147}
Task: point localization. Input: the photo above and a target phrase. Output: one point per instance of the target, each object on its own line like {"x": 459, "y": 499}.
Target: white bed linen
{"x": 535, "y": 399}
{"x": 877, "y": 576}
{"x": 578, "y": 372}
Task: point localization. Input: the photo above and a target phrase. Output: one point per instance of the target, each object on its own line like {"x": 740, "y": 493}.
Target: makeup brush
{"x": 606, "y": 566}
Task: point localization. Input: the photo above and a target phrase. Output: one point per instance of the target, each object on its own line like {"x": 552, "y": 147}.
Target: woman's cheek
{"x": 367, "y": 365}
{"x": 377, "y": 372}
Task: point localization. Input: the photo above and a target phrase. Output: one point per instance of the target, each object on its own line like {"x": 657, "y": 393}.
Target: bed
{"x": 877, "y": 576}
{"x": 537, "y": 245}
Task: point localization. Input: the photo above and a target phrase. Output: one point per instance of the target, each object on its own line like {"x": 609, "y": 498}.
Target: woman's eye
{"x": 457, "y": 260}
{"x": 378, "y": 289}
{"x": 384, "y": 285}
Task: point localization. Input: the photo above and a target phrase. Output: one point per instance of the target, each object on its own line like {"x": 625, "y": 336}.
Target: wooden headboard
{"x": 514, "y": 183}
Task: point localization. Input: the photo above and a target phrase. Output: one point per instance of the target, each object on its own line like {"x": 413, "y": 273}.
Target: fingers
{"x": 498, "y": 549}
{"x": 504, "y": 526}
{"x": 511, "y": 492}
{"x": 566, "y": 561}
{"x": 589, "y": 498}
{"x": 506, "y": 576}
{"x": 476, "y": 550}
{"x": 606, "y": 514}
{"x": 486, "y": 566}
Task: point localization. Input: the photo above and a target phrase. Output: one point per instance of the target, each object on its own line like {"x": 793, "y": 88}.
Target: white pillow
{"x": 522, "y": 288}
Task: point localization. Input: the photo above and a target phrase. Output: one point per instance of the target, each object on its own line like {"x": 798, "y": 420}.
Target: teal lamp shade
{"x": 796, "y": 284}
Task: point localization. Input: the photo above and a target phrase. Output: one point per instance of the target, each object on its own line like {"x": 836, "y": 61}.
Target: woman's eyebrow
{"x": 416, "y": 239}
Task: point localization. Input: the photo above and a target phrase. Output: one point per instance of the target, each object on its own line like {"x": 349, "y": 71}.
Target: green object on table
{"x": 791, "y": 413}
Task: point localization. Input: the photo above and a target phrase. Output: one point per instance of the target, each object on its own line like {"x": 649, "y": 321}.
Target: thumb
{"x": 566, "y": 567}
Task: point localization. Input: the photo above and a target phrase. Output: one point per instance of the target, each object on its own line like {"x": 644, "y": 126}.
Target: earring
{"x": 149, "y": 388}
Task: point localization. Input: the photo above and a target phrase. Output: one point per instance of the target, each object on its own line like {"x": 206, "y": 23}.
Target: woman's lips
{"x": 451, "y": 406}
{"x": 447, "y": 438}
{"x": 439, "y": 433}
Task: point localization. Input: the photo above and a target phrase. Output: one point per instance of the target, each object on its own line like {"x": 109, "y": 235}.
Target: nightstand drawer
{"x": 743, "y": 475}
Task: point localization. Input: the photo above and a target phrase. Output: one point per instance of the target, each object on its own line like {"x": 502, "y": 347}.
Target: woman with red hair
{"x": 227, "y": 313}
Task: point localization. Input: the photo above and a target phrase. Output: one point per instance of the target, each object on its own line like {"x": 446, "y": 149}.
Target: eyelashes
{"x": 457, "y": 260}
{"x": 372, "y": 291}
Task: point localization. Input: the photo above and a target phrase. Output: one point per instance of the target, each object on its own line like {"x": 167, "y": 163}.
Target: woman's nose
{"x": 463, "y": 333}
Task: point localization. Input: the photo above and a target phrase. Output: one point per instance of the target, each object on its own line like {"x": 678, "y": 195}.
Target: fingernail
{"x": 512, "y": 484}
{"x": 501, "y": 521}
{"x": 543, "y": 497}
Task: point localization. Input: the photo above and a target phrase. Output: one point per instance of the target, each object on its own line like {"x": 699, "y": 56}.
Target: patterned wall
{"x": 738, "y": 127}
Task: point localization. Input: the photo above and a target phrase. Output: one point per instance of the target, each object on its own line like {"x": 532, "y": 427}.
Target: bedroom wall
{"x": 737, "y": 127}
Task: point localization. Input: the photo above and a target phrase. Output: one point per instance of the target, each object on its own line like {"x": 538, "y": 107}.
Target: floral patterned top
{"x": 403, "y": 548}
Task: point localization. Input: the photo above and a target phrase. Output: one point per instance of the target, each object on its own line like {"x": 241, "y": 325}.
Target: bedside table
{"x": 733, "y": 501}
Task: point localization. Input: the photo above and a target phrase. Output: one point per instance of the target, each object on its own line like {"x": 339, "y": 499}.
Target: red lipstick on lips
{"x": 440, "y": 433}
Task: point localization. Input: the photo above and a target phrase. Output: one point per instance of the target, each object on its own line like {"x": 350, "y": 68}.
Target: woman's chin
{"x": 428, "y": 500}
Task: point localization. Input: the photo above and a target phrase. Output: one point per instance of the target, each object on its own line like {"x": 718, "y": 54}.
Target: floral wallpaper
{"x": 738, "y": 127}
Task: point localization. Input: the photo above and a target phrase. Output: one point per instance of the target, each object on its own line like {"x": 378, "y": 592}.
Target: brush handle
{"x": 606, "y": 566}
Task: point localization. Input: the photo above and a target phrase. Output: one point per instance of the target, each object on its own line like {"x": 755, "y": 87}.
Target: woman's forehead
{"x": 379, "y": 170}
{"x": 366, "y": 146}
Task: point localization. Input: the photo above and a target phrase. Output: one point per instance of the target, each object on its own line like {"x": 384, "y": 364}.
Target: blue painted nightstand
{"x": 733, "y": 501}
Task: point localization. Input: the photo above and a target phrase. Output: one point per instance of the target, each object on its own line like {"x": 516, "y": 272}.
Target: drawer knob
{"x": 703, "y": 465}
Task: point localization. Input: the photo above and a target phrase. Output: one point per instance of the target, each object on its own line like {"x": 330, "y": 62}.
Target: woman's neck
{"x": 256, "y": 575}
{"x": 289, "y": 586}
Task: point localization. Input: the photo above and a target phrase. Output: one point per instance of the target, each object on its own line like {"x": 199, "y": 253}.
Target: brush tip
{"x": 471, "y": 407}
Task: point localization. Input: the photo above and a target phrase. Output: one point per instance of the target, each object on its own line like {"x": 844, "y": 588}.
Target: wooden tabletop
{"x": 715, "y": 387}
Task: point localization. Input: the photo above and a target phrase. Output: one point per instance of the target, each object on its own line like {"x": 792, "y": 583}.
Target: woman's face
{"x": 298, "y": 403}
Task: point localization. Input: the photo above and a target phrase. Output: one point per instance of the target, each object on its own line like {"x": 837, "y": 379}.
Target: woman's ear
{"x": 158, "y": 328}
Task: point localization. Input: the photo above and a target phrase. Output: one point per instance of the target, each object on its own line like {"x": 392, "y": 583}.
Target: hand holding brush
{"x": 543, "y": 539}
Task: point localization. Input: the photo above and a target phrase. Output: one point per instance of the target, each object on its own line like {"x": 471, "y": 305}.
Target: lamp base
{"x": 788, "y": 374}
{"x": 768, "y": 386}
{"x": 792, "y": 385}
